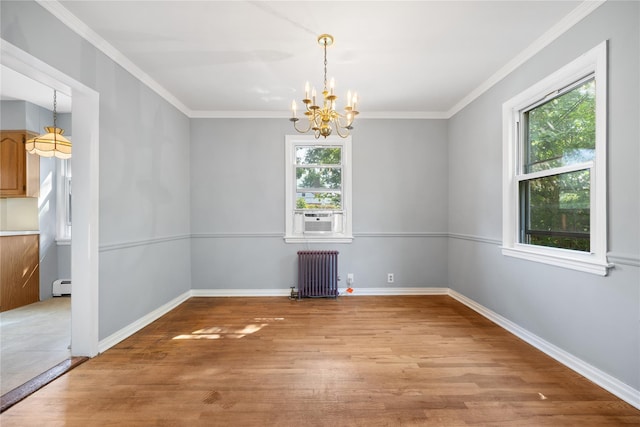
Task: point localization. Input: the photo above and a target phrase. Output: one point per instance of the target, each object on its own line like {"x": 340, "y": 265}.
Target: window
{"x": 63, "y": 214}
{"x": 554, "y": 171}
{"x": 558, "y": 139}
{"x": 318, "y": 189}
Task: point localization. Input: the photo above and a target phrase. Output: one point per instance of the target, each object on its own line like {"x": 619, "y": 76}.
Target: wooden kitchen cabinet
{"x": 19, "y": 271}
{"x": 19, "y": 170}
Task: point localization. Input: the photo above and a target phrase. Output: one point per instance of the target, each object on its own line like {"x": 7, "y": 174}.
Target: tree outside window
{"x": 319, "y": 178}
{"x": 559, "y": 149}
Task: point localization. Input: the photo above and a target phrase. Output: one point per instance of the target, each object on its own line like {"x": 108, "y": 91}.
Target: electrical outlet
{"x": 349, "y": 278}
{"x": 390, "y": 278}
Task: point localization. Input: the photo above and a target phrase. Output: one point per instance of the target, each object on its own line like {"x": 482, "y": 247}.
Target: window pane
{"x": 319, "y": 178}
{"x": 318, "y": 155}
{"x": 311, "y": 200}
{"x": 556, "y": 211}
{"x": 562, "y": 131}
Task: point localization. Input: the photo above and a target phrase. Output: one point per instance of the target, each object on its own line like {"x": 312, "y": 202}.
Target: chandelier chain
{"x": 55, "y": 103}
{"x": 325, "y": 64}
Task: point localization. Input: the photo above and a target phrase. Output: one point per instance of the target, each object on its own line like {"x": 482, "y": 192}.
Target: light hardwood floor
{"x": 354, "y": 361}
{"x": 33, "y": 338}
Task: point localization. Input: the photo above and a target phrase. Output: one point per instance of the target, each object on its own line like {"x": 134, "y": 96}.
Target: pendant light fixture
{"x": 51, "y": 143}
{"x": 323, "y": 118}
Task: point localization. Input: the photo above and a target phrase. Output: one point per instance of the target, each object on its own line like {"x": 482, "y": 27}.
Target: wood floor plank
{"x": 353, "y": 361}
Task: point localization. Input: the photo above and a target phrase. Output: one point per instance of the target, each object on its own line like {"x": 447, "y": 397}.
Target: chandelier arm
{"x": 343, "y": 120}
{"x": 309, "y": 110}
{"x": 316, "y": 119}
{"x": 340, "y": 134}
{"x": 295, "y": 126}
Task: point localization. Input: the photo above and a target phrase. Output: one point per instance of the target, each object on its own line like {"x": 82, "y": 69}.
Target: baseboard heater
{"x": 317, "y": 274}
{"x": 61, "y": 287}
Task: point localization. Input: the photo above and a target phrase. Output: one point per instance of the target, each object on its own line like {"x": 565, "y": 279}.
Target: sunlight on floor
{"x": 220, "y": 332}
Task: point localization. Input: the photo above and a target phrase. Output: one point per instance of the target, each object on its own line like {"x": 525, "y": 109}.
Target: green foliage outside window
{"x": 301, "y": 203}
{"x": 319, "y": 172}
{"x": 559, "y": 133}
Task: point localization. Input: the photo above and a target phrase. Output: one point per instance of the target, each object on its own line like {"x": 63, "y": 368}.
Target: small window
{"x": 555, "y": 168}
{"x": 318, "y": 189}
{"x": 64, "y": 213}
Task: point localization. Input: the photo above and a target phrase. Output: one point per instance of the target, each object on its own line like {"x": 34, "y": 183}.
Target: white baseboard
{"x": 341, "y": 291}
{"x": 395, "y": 291}
{"x": 604, "y": 380}
{"x": 134, "y": 327}
{"x": 240, "y": 292}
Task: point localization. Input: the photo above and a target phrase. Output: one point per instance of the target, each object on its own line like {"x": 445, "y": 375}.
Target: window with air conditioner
{"x": 318, "y": 189}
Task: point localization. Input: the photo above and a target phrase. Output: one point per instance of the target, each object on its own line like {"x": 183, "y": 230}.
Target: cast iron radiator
{"x": 317, "y": 274}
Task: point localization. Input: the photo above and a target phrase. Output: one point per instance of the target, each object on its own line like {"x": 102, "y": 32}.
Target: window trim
{"x": 291, "y": 141}
{"x": 63, "y": 201}
{"x": 595, "y": 262}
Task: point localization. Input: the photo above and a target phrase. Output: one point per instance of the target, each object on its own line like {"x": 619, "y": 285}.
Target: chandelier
{"x": 322, "y": 119}
{"x": 51, "y": 143}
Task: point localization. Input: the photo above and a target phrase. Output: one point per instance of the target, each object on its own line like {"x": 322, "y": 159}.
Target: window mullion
{"x": 555, "y": 171}
{"x": 318, "y": 190}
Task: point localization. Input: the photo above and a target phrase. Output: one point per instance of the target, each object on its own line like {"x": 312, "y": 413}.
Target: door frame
{"x": 85, "y": 204}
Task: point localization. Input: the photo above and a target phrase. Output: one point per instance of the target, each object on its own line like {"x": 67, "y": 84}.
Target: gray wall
{"x": 47, "y": 220}
{"x": 13, "y": 115}
{"x": 237, "y": 205}
{"x": 594, "y": 318}
{"x": 18, "y": 115}
{"x": 144, "y": 178}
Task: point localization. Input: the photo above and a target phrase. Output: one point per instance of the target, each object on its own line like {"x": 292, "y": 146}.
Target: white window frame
{"x": 595, "y": 262}
{"x": 63, "y": 202}
{"x": 346, "y": 235}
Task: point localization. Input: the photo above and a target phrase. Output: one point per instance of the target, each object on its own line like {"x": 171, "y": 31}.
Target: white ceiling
{"x": 251, "y": 58}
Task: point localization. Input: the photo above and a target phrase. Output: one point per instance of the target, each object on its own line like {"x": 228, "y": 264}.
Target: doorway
{"x": 85, "y": 238}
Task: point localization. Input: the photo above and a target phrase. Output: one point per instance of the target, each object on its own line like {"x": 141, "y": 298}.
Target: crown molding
{"x": 575, "y": 16}
{"x": 76, "y": 25}
{"x": 282, "y": 114}
{"x": 70, "y": 20}
{"x": 401, "y": 115}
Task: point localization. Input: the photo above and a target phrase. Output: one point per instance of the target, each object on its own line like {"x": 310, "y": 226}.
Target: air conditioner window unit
{"x": 318, "y": 222}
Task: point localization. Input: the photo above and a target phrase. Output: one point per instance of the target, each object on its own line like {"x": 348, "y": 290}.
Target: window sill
{"x": 560, "y": 258}
{"x": 319, "y": 239}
